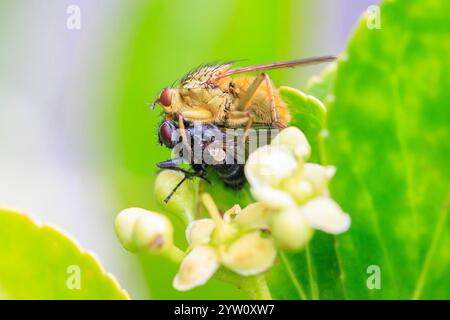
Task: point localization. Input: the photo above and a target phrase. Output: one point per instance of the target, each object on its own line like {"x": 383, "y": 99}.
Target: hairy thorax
{"x": 220, "y": 103}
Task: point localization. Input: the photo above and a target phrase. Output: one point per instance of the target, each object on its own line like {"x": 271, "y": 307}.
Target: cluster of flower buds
{"x": 296, "y": 191}
{"x": 231, "y": 240}
{"x": 293, "y": 200}
{"x": 237, "y": 240}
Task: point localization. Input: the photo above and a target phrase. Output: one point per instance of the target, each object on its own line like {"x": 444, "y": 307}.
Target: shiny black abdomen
{"x": 231, "y": 174}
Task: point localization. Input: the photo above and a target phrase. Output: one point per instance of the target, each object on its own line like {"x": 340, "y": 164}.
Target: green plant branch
{"x": 174, "y": 254}
{"x": 256, "y": 287}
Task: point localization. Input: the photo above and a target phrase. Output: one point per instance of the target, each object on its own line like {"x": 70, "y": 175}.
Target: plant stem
{"x": 210, "y": 206}
{"x": 174, "y": 254}
{"x": 257, "y": 287}
{"x": 229, "y": 276}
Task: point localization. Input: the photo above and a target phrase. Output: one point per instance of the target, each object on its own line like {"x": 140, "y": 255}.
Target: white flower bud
{"x": 295, "y": 140}
{"x": 251, "y": 254}
{"x": 181, "y": 203}
{"x": 199, "y": 232}
{"x": 124, "y": 225}
{"x": 270, "y": 165}
{"x": 291, "y": 230}
{"x": 325, "y": 214}
{"x": 255, "y": 216}
{"x": 266, "y": 168}
{"x": 152, "y": 232}
{"x": 197, "y": 267}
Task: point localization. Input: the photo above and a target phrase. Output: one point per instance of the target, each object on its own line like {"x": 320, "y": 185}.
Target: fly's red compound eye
{"x": 165, "y": 98}
{"x": 165, "y": 134}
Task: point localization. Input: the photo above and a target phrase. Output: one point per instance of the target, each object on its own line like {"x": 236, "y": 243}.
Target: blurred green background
{"x": 78, "y": 141}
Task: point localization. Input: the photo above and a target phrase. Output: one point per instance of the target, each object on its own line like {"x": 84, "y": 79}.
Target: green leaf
{"x": 389, "y": 129}
{"x": 321, "y": 86}
{"x": 40, "y": 262}
{"x": 388, "y": 136}
{"x": 308, "y": 114}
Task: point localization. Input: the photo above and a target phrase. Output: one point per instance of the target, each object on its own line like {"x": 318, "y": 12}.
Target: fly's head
{"x": 167, "y": 134}
{"x": 164, "y": 99}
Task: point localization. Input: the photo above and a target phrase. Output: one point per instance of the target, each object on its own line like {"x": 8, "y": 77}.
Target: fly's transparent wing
{"x": 276, "y": 65}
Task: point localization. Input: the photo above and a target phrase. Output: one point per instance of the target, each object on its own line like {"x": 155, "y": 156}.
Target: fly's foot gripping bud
{"x": 174, "y": 193}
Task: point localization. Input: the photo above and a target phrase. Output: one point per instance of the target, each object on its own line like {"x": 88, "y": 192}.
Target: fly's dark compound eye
{"x": 166, "y": 133}
{"x": 165, "y": 98}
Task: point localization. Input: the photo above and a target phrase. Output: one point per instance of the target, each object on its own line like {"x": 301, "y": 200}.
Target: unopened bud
{"x": 143, "y": 230}
{"x": 153, "y": 232}
{"x": 295, "y": 140}
{"x": 269, "y": 165}
{"x": 124, "y": 225}
{"x": 291, "y": 229}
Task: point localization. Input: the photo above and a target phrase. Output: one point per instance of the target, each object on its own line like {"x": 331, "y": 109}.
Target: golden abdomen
{"x": 260, "y": 105}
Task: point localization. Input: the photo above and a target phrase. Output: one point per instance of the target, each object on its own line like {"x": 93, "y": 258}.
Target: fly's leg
{"x": 199, "y": 203}
{"x": 166, "y": 200}
{"x": 238, "y": 118}
{"x": 172, "y": 163}
{"x": 182, "y": 129}
{"x": 246, "y": 101}
{"x": 190, "y": 174}
{"x": 247, "y": 127}
{"x": 198, "y": 114}
{"x": 187, "y": 175}
{"x": 273, "y": 110}
{"x": 184, "y": 138}
{"x": 242, "y": 118}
